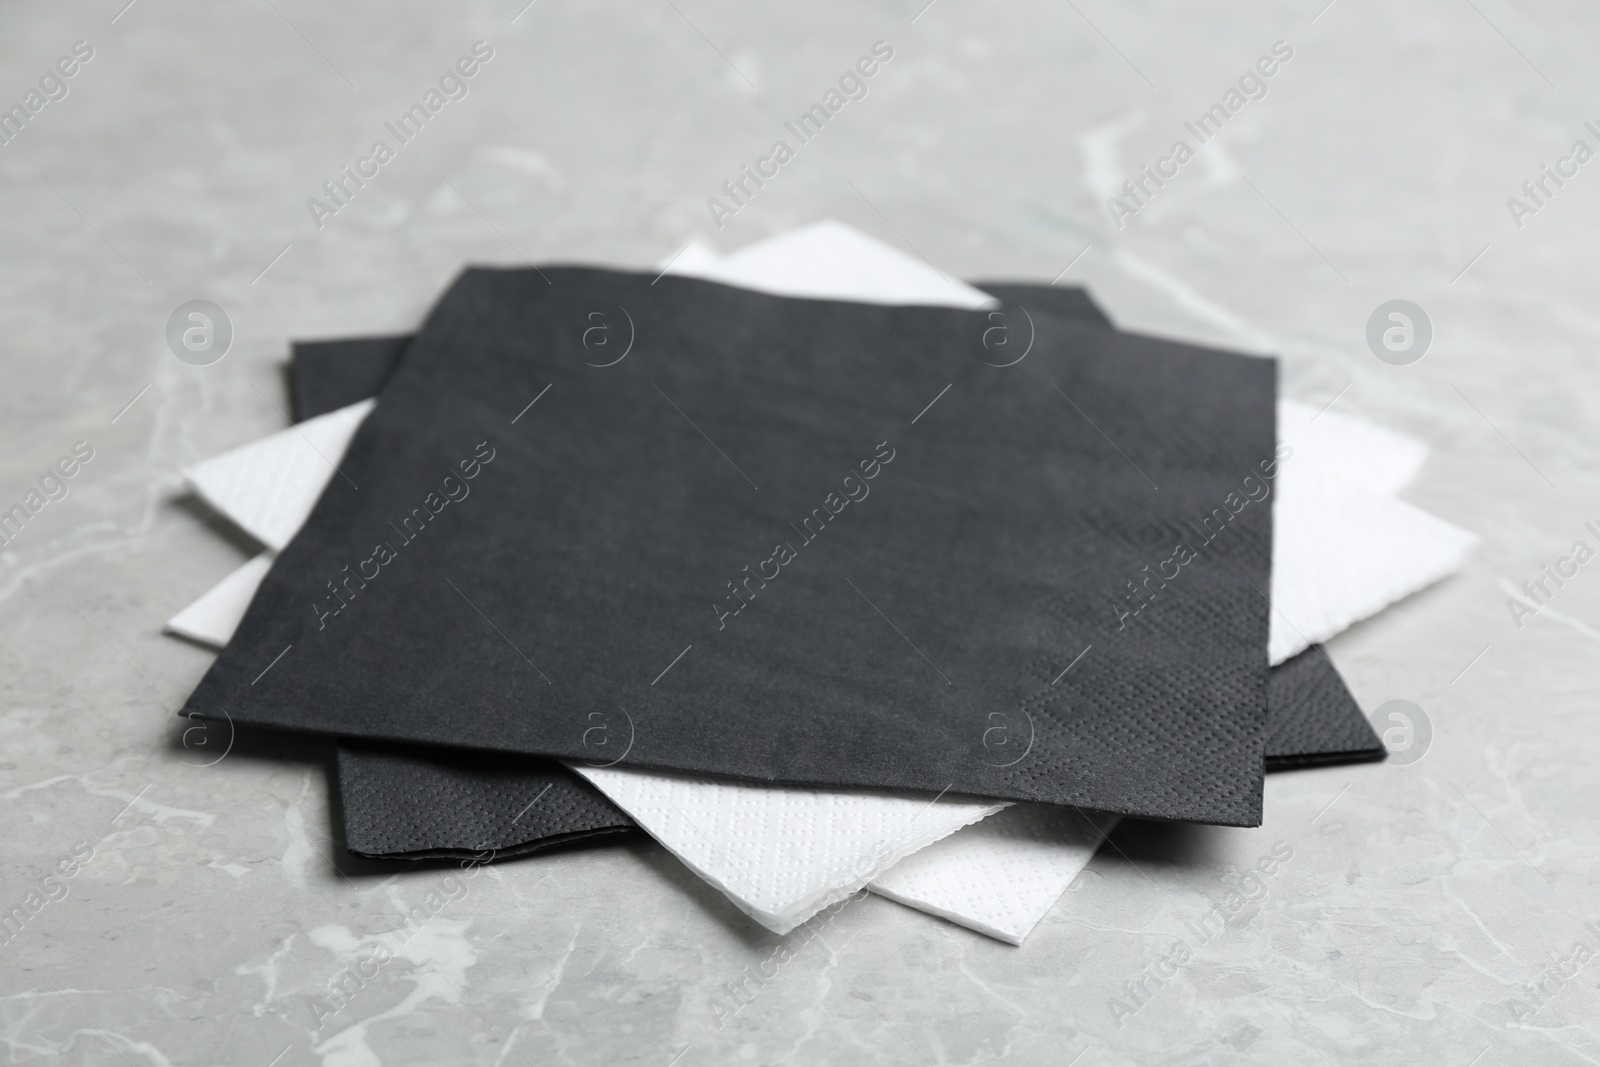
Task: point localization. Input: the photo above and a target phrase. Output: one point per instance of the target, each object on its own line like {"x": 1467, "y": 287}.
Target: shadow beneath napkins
{"x": 1170, "y": 845}
{"x": 207, "y": 745}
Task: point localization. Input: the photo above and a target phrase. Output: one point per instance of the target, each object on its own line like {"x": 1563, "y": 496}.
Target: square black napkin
{"x": 595, "y": 573}
{"x": 402, "y": 802}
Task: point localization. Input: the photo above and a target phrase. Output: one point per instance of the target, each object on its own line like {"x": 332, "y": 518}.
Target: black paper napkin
{"x": 405, "y": 802}
{"x": 1312, "y": 720}
{"x": 327, "y": 375}
{"x": 607, "y": 568}
{"x": 402, "y": 802}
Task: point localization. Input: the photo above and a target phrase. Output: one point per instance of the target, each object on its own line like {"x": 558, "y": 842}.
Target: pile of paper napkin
{"x": 825, "y": 570}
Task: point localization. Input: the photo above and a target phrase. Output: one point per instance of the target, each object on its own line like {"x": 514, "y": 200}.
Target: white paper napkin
{"x": 782, "y": 854}
{"x": 212, "y": 619}
{"x": 828, "y": 260}
{"x": 270, "y": 486}
{"x": 1003, "y": 875}
{"x": 1342, "y": 553}
{"x": 1361, "y": 452}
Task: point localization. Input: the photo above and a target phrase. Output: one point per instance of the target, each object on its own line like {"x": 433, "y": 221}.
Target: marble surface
{"x": 181, "y": 908}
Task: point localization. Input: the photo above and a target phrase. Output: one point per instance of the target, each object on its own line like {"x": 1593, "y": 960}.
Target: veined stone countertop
{"x": 181, "y": 909}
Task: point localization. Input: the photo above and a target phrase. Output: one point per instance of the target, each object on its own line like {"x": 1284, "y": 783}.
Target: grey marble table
{"x": 1439, "y": 912}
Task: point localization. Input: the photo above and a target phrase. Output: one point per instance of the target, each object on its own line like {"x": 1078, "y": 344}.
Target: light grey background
{"x": 1420, "y": 900}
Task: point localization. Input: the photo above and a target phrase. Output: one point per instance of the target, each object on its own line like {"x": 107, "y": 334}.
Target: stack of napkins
{"x": 825, "y": 570}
